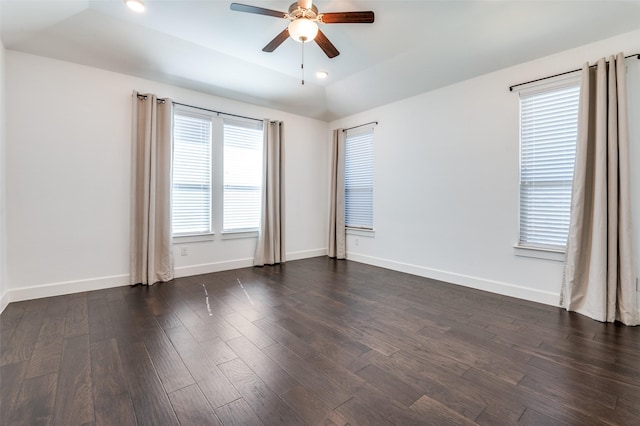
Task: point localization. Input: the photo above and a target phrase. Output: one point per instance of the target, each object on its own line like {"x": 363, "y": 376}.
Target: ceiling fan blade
{"x": 277, "y": 41}
{"x": 257, "y": 10}
{"x": 364, "y": 17}
{"x": 327, "y": 47}
{"x": 304, "y": 4}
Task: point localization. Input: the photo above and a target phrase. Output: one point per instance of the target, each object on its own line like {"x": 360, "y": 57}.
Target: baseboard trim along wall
{"x": 77, "y": 286}
{"x": 4, "y": 301}
{"x": 548, "y": 298}
{"x": 305, "y": 254}
{"x": 207, "y": 268}
{"x": 66, "y": 287}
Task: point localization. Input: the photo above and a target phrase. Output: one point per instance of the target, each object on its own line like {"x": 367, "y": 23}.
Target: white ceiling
{"x": 413, "y": 46}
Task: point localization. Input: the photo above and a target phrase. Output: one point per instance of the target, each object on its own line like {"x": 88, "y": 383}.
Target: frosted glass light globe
{"x": 303, "y": 30}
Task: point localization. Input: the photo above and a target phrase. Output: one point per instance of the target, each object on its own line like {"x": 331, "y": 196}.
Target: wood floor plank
{"x": 262, "y": 400}
{"x": 533, "y": 418}
{"x": 390, "y": 385}
{"x": 35, "y": 403}
{"x": 356, "y": 412}
{"x": 192, "y": 408}
{"x": 238, "y": 413}
{"x": 310, "y": 408}
{"x": 11, "y": 377}
{"x": 214, "y": 385}
{"x": 150, "y": 401}
{"x": 57, "y": 306}
{"x": 498, "y": 415}
{"x": 562, "y": 367}
{"x": 23, "y": 339}
{"x": 218, "y": 350}
{"x": 169, "y": 365}
{"x": 314, "y": 380}
{"x": 268, "y": 371}
{"x": 77, "y": 322}
{"x": 112, "y": 402}
{"x": 437, "y": 413}
{"x": 250, "y": 331}
{"x": 285, "y": 338}
{"x": 539, "y": 402}
{"x": 100, "y": 326}
{"x": 74, "y": 396}
{"x": 440, "y": 383}
{"x": 47, "y": 352}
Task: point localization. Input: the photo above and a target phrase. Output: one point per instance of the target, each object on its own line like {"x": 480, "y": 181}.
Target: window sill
{"x": 539, "y": 253}
{"x": 361, "y": 232}
{"x": 238, "y": 235}
{"x": 192, "y": 238}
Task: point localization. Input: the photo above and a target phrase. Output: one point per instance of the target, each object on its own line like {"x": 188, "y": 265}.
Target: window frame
{"x": 194, "y": 113}
{"x": 217, "y": 178}
{"x": 240, "y": 232}
{"x": 532, "y": 249}
{"x": 364, "y": 130}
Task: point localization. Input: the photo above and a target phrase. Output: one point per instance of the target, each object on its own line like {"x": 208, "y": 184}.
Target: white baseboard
{"x": 4, "y": 301}
{"x": 305, "y": 254}
{"x": 66, "y": 287}
{"x": 207, "y": 268}
{"x": 531, "y": 294}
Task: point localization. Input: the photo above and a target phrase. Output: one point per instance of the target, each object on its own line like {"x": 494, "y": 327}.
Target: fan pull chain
{"x": 302, "y": 63}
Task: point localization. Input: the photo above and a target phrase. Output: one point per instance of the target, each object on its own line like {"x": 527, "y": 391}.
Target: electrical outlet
{"x": 184, "y": 251}
{"x": 357, "y": 241}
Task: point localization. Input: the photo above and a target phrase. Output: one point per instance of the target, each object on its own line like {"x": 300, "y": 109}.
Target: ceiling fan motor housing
{"x": 297, "y": 12}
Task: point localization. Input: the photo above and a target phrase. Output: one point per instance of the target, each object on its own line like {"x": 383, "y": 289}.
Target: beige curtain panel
{"x": 270, "y": 248}
{"x": 337, "y": 230}
{"x": 151, "y": 251}
{"x": 599, "y": 277}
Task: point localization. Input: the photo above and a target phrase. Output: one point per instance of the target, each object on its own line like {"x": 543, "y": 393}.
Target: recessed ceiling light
{"x": 135, "y": 5}
{"x": 322, "y": 74}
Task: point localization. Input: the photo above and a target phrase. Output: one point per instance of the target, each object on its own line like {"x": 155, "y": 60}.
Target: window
{"x": 358, "y": 178}
{"x": 191, "y": 209}
{"x": 217, "y": 173}
{"x": 548, "y": 133}
{"x": 242, "y": 176}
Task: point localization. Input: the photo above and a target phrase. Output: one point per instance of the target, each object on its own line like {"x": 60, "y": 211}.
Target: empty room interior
{"x": 365, "y": 212}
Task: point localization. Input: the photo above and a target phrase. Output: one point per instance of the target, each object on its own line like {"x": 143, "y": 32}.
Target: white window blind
{"x": 358, "y": 179}
{"x": 548, "y": 133}
{"x": 242, "y": 175}
{"x": 191, "y": 208}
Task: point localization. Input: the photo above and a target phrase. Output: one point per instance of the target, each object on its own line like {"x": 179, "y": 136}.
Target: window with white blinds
{"x": 242, "y": 175}
{"x": 191, "y": 207}
{"x": 358, "y": 178}
{"x": 548, "y": 133}
{"x": 217, "y": 173}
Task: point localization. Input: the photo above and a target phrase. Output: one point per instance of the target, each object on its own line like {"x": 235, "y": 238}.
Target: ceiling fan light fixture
{"x": 135, "y": 5}
{"x": 303, "y": 30}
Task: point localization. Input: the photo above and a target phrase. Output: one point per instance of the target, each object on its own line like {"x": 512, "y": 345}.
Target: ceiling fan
{"x": 304, "y": 19}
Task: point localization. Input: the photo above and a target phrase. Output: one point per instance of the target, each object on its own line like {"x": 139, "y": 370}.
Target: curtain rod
{"x": 361, "y": 125}
{"x": 219, "y": 112}
{"x": 637, "y": 55}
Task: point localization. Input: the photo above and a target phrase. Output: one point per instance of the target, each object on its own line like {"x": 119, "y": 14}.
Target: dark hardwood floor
{"x": 316, "y": 341}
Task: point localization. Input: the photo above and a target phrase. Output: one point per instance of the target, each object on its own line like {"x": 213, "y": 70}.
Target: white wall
{"x": 446, "y": 180}
{"x": 68, "y": 179}
{"x": 4, "y": 300}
